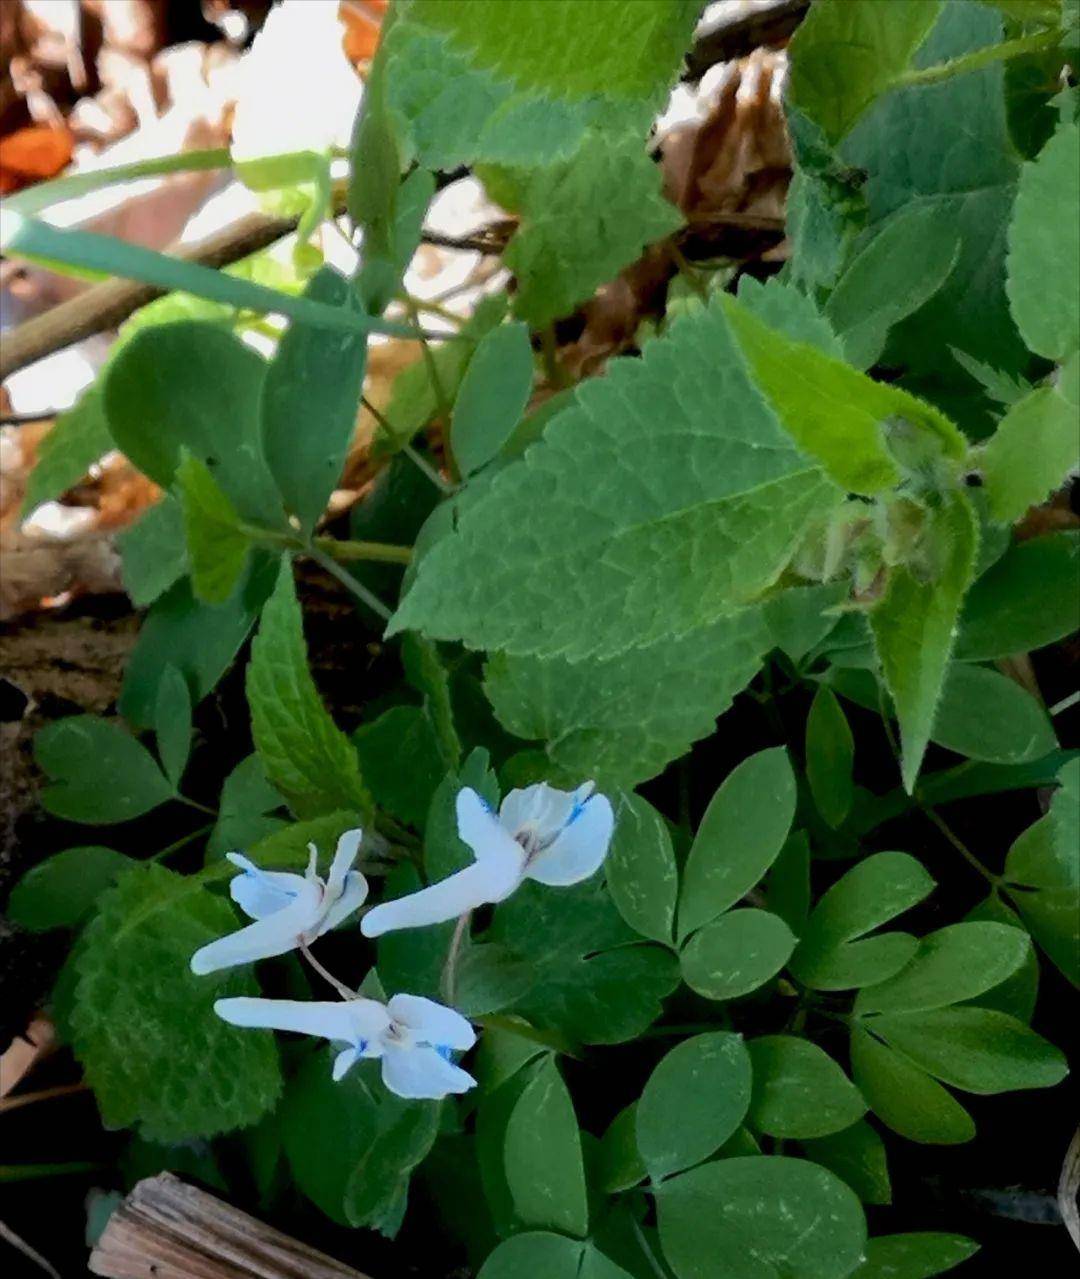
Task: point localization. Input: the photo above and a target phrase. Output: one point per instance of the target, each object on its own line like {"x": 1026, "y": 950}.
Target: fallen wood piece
{"x": 166, "y": 1229}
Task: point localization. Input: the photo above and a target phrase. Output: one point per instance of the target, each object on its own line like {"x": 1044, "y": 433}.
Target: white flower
{"x": 297, "y": 90}
{"x": 414, "y": 1037}
{"x": 555, "y": 837}
{"x": 288, "y": 909}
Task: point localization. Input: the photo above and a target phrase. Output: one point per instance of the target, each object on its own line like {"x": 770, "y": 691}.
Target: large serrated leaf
{"x": 667, "y": 495}
{"x": 144, "y": 1028}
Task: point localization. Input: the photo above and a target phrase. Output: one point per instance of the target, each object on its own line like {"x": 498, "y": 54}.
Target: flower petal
{"x": 432, "y": 1023}
{"x": 349, "y": 1021}
{"x": 260, "y": 892}
{"x": 353, "y": 896}
{"x": 346, "y": 853}
{"x": 275, "y": 934}
{"x": 539, "y": 808}
{"x": 344, "y": 1062}
{"x": 475, "y": 886}
{"x": 416, "y": 1073}
{"x": 490, "y": 842}
{"x": 581, "y": 847}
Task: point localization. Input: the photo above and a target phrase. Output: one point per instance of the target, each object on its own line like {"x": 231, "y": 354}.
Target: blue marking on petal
{"x": 575, "y": 812}
{"x": 361, "y": 1047}
{"x": 444, "y": 1051}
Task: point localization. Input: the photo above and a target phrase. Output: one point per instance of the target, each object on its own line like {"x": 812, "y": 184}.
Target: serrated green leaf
{"x": 621, "y": 720}
{"x": 306, "y": 756}
{"x": 954, "y": 964}
{"x": 542, "y": 1155}
{"x": 492, "y": 396}
{"x": 740, "y": 836}
{"x": 583, "y": 219}
{"x": 834, "y": 412}
{"x": 904, "y": 1097}
{"x": 876, "y": 890}
{"x": 779, "y": 305}
{"x": 737, "y": 953}
{"x": 642, "y": 876}
{"x": 1026, "y": 600}
{"x": 1043, "y": 874}
{"x": 987, "y": 716}
{"x": 857, "y": 1156}
{"x": 879, "y": 288}
{"x": 61, "y": 891}
{"x": 98, "y": 773}
{"x": 830, "y": 752}
{"x": 153, "y": 1049}
{"x": 153, "y": 551}
{"x": 693, "y": 1101}
{"x": 799, "y": 1091}
{"x": 914, "y": 627}
{"x": 172, "y": 724}
{"x": 1044, "y": 248}
{"x": 78, "y": 438}
{"x": 848, "y": 52}
{"x": 1030, "y": 454}
{"x": 914, "y": 1256}
{"x": 758, "y": 1217}
{"x": 719, "y": 501}
{"x": 591, "y": 985}
{"x": 218, "y": 547}
{"x": 309, "y": 404}
{"x": 159, "y": 399}
{"x": 979, "y": 1050}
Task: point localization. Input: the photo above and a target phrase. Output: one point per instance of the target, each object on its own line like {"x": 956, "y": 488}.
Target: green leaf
{"x": 145, "y": 1031}
{"x": 153, "y": 551}
{"x": 492, "y": 396}
{"x": 583, "y": 219}
{"x": 787, "y": 891}
{"x": 375, "y": 1195}
{"x": 544, "y": 1169}
{"x": 760, "y": 1217}
{"x": 61, "y": 891}
{"x": 1042, "y": 871}
{"x": 1031, "y": 453}
{"x": 541, "y": 1255}
{"x": 641, "y": 873}
{"x": 159, "y": 399}
{"x": 830, "y": 752}
{"x": 490, "y": 977}
{"x": 1018, "y": 994}
{"x": 799, "y": 1091}
{"x": 740, "y": 836}
{"x": 427, "y": 673}
{"x": 985, "y": 715}
{"x": 834, "y": 412}
{"x": 979, "y": 1050}
{"x": 847, "y": 52}
{"x": 720, "y": 499}
{"x": 904, "y": 1097}
{"x": 693, "y": 1101}
{"x": 623, "y": 719}
{"x": 914, "y": 1256}
{"x": 400, "y": 762}
{"x": 310, "y": 401}
{"x": 247, "y": 799}
{"x": 78, "y": 438}
{"x": 326, "y": 1129}
{"x": 879, "y": 288}
{"x": 857, "y": 1156}
{"x": 172, "y": 724}
{"x": 218, "y": 547}
{"x": 737, "y": 953}
{"x": 619, "y": 1161}
{"x": 1026, "y": 600}
{"x": 98, "y": 773}
{"x": 800, "y": 617}
{"x": 591, "y": 985}
{"x": 306, "y": 756}
{"x": 200, "y": 640}
{"x": 1044, "y": 248}
{"x": 954, "y": 964}
{"x": 914, "y": 627}
{"x": 830, "y": 956}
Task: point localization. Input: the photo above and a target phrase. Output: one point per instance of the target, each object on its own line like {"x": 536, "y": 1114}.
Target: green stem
{"x": 442, "y": 403}
{"x": 199, "y": 808}
{"x": 960, "y": 846}
{"x": 374, "y": 552}
{"x": 1066, "y": 703}
{"x": 31, "y": 1172}
{"x": 425, "y": 466}
{"x": 349, "y": 582}
{"x": 976, "y": 60}
{"x": 646, "y": 1249}
{"x": 186, "y": 839}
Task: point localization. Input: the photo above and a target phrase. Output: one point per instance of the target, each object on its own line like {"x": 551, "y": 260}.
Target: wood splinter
{"x": 166, "y": 1229}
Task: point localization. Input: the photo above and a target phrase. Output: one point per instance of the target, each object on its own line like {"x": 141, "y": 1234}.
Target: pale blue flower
{"x": 553, "y": 836}
{"x": 289, "y": 910}
{"x": 414, "y": 1037}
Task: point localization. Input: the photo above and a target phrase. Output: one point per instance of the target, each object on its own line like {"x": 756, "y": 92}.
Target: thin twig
{"x": 349, "y": 582}
{"x": 449, "y": 973}
{"x": 20, "y": 1245}
{"x": 422, "y": 464}
{"x": 959, "y": 845}
{"x": 180, "y": 843}
{"x": 344, "y": 991}
{"x": 43, "y": 1094}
